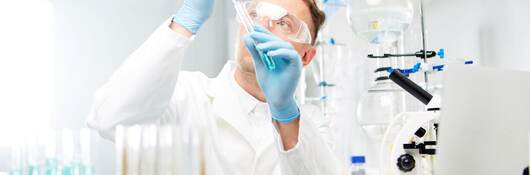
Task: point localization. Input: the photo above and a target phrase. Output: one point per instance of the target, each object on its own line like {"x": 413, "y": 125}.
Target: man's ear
{"x": 309, "y": 55}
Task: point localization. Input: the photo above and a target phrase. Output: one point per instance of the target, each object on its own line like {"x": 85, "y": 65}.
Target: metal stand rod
{"x": 322, "y": 83}
{"x": 424, "y": 42}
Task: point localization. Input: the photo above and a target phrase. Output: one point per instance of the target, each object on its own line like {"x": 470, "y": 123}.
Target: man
{"x": 248, "y": 110}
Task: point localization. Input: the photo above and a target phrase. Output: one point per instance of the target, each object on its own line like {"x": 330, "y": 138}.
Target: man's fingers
{"x": 273, "y": 45}
{"x": 263, "y": 37}
{"x": 286, "y": 54}
{"x": 249, "y": 43}
{"x": 261, "y": 29}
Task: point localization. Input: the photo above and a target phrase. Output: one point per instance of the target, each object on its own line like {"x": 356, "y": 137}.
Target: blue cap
{"x": 332, "y": 41}
{"x": 357, "y": 159}
{"x": 438, "y": 67}
{"x": 414, "y": 69}
{"x": 441, "y": 53}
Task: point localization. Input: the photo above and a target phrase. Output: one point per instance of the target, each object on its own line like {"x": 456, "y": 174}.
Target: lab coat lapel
{"x": 227, "y": 107}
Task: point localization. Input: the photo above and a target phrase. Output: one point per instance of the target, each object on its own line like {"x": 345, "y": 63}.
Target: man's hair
{"x": 318, "y": 17}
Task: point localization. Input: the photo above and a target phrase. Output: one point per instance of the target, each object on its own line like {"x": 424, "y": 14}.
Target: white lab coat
{"x": 149, "y": 88}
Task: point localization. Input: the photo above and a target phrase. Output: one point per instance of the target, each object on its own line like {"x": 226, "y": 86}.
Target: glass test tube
{"x": 245, "y": 19}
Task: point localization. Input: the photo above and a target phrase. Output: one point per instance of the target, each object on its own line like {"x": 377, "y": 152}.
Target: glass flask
{"x": 380, "y": 21}
{"x": 376, "y": 109}
{"x": 383, "y": 99}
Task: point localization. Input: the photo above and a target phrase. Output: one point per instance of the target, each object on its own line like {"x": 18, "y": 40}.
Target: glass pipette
{"x": 245, "y": 19}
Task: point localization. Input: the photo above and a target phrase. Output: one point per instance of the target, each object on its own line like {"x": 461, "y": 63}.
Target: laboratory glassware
{"x": 52, "y": 152}
{"x": 324, "y": 68}
{"x": 157, "y": 149}
{"x": 248, "y": 24}
{"x": 357, "y": 165}
{"x": 380, "y": 21}
{"x": 279, "y": 21}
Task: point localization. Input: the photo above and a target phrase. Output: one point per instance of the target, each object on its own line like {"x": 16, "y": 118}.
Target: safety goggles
{"x": 279, "y": 21}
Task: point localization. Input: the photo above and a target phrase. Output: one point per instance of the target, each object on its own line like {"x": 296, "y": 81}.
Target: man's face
{"x": 306, "y": 51}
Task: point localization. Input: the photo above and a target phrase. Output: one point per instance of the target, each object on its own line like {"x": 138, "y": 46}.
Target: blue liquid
{"x": 86, "y": 169}
{"x": 68, "y": 170}
{"x": 33, "y": 170}
{"x": 267, "y": 61}
{"x": 51, "y": 167}
{"x": 15, "y": 172}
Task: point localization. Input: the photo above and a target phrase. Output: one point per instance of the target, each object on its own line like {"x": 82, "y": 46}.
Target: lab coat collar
{"x": 247, "y": 101}
{"x": 232, "y": 103}
{"x": 226, "y": 81}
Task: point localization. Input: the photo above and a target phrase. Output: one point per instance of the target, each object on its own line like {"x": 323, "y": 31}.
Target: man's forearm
{"x": 288, "y": 133}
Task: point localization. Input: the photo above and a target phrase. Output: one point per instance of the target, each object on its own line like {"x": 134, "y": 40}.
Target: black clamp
{"x": 382, "y": 69}
{"x": 419, "y": 54}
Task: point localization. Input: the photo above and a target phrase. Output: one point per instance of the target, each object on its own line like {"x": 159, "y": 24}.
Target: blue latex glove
{"x": 278, "y": 85}
{"x": 193, "y": 13}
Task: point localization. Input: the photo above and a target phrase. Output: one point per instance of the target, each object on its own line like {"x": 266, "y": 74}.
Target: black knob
{"x": 525, "y": 171}
{"x": 420, "y": 132}
{"x": 406, "y": 163}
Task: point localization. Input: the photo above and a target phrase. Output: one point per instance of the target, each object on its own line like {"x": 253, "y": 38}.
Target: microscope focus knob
{"x": 406, "y": 163}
